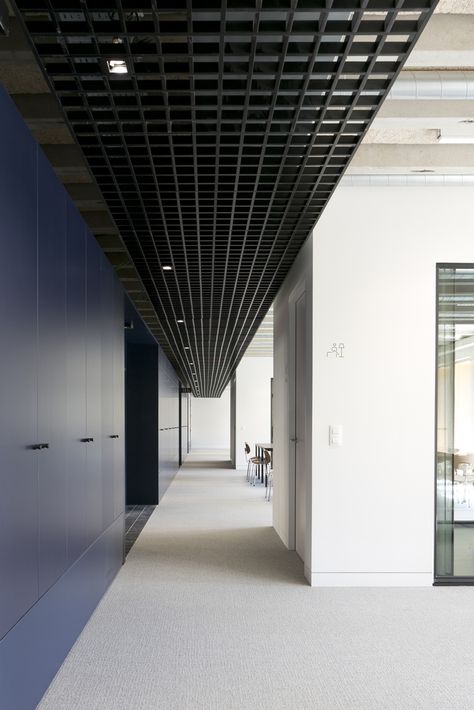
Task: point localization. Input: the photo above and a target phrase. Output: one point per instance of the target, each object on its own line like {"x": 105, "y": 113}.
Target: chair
{"x": 267, "y": 460}
{"x": 268, "y": 489}
{"x": 252, "y": 463}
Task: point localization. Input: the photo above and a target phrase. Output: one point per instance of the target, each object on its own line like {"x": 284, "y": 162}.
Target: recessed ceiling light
{"x": 117, "y": 66}
{"x": 167, "y": 268}
{"x": 180, "y": 320}
{"x": 186, "y": 347}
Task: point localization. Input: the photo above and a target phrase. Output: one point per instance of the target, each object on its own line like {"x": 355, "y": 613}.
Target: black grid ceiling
{"x": 218, "y": 151}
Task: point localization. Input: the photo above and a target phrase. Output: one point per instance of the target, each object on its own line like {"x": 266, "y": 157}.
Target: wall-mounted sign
{"x": 337, "y": 350}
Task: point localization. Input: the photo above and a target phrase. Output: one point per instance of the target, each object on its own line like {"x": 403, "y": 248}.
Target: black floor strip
{"x": 136, "y": 517}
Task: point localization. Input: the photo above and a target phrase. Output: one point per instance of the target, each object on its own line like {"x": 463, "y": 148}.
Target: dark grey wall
{"x": 141, "y": 423}
{"x": 184, "y": 426}
{"x": 168, "y": 417}
{"x": 61, "y": 387}
{"x": 152, "y": 415}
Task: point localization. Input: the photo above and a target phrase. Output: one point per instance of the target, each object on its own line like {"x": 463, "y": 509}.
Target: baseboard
{"x": 371, "y": 579}
{"x": 33, "y": 651}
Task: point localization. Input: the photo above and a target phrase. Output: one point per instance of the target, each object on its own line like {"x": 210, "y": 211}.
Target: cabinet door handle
{"x": 39, "y": 447}
{"x": 87, "y": 439}
{"x": 114, "y": 436}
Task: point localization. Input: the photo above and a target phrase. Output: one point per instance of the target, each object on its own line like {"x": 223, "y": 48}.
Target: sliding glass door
{"x": 454, "y": 558}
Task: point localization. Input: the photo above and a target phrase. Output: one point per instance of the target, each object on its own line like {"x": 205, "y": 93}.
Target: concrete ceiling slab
{"x": 53, "y": 135}
{"x": 397, "y": 134}
{"x": 461, "y": 7}
{"x": 426, "y": 111}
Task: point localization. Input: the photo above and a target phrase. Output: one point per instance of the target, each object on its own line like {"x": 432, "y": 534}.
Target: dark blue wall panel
{"x": 108, "y": 444}
{"x": 61, "y": 397}
{"x": 94, "y": 318}
{"x": 76, "y": 381}
{"x": 18, "y": 279}
{"x": 119, "y": 402}
{"x": 32, "y": 652}
{"x": 52, "y": 376}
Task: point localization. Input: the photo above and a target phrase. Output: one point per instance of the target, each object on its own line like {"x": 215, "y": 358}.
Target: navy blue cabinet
{"x": 52, "y": 376}
{"x": 112, "y": 380}
{"x": 61, "y": 398}
{"x": 119, "y": 401}
{"x": 109, "y": 441}
{"x": 18, "y": 480}
{"x": 93, "y": 476}
{"x": 76, "y": 382}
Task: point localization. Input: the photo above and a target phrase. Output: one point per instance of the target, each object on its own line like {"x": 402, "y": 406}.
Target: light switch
{"x": 335, "y": 434}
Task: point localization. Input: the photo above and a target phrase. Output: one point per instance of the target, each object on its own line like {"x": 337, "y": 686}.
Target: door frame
{"x": 233, "y": 420}
{"x": 299, "y": 290}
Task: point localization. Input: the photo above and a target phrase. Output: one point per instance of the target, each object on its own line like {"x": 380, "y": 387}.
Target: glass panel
{"x": 455, "y": 423}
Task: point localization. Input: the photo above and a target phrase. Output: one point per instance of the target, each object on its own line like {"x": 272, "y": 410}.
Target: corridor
{"x": 211, "y": 611}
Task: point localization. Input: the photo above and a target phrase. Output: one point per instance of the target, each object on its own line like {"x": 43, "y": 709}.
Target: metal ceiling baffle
{"x": 220, "y": 141}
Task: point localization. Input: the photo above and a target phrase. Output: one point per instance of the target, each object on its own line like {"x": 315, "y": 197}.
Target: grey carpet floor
{"x": 211, "y": 612}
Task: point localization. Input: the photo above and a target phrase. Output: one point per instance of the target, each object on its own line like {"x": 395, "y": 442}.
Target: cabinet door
{"x": 18, "y": 483}
{"x": 93, "y": 389}
{"x": 119, "y": 402}
{"x": 109, "y": 441}
{"x": 76, "y": 382}
{"x": 52, "y": 479}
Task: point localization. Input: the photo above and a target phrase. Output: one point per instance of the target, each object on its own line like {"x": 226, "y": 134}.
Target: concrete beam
{"x": 86, "y": 196}
{"x": 447, "y": 32}
{"x": 81, "y": 191}
{"x": 433, "y": 108}
{"x": 120, "y": 259}
{"x": 401, "y": 134}
{"x": 64, "y": 156}
{"x": 383, "y": 158}
{"x": 38, "y": 106}
{"x": 50, "y": 134}
{"x": 446, "y": 42}
{"x": 99, "y": 221}
{"x": 74, "y": 173}
{"x": 19, "y": 71}
{"x": 110, "y": 243}
{"x": 15, "y": 45}
{"x": 126, "y": 272}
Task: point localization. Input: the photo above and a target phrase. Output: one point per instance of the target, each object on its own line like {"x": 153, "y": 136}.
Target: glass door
{"x": 454, "y": 554}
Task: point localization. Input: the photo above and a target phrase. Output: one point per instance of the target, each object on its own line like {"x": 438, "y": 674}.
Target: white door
{"x": 300, "y": 425}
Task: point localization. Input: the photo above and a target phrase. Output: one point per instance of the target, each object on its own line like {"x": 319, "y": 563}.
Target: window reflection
{"x": 455, "y": 424}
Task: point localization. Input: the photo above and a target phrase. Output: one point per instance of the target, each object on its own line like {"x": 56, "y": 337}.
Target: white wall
{"x": 300, "y": 273}
{"x": 375, "y": 251}
{"x": 253, "y": 404}
{"x": 210, "y": 422}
